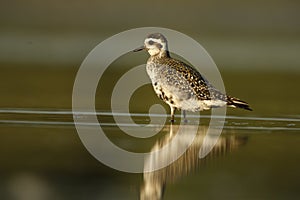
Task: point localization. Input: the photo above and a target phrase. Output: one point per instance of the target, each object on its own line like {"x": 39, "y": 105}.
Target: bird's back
{"x": 182, "y": 82}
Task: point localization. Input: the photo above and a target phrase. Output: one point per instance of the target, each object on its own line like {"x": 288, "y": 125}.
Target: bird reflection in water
{"x": 154, "y": 182}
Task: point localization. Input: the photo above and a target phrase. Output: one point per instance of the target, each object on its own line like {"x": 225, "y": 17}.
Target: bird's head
{"x": 155, "y": 44}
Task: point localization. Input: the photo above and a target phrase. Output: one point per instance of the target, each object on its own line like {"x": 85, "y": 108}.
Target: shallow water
{"x": 42, "y": 156}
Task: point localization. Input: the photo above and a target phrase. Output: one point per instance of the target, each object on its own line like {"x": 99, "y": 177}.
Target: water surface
{"x": 42, "y": 157}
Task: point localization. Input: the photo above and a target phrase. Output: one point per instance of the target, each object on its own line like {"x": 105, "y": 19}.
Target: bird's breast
{"x": 153, "y": 71}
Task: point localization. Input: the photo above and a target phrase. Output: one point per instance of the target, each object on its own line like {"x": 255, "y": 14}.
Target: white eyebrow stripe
{"x": 154, "y": 40}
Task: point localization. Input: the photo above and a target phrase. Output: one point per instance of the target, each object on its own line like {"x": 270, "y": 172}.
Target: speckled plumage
{"x": 180, "y": 85}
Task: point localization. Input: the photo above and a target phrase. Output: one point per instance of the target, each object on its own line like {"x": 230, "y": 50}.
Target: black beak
{"x": 139, "y": 49}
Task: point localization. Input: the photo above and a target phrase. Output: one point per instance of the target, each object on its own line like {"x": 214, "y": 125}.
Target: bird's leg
{"x": 173, "y": 109}
{"x": 184, "y": 116}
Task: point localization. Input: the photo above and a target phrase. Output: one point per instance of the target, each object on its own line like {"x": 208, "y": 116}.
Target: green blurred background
{"x": 255, "y": 44}
{"x": 241, "y": 34}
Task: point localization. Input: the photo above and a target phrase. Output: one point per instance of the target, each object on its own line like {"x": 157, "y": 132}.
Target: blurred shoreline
{"x": 229, "y": 52}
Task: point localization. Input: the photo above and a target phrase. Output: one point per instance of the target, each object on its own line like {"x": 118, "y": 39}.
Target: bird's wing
{"x": 188, "y": 81}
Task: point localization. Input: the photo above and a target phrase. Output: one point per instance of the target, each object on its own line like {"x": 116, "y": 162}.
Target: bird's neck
{"x": 163, "y": 54}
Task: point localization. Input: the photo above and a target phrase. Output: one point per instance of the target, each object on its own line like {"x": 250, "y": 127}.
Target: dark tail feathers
{"x": 237, "y": 103}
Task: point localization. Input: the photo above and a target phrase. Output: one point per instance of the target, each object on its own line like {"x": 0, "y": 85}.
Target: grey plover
{"x": 180, "y": 85}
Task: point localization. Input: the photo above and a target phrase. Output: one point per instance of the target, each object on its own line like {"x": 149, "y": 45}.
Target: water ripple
{"x": 37, "y": 117}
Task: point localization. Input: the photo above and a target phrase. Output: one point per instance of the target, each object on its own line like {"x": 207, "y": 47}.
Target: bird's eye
{"x": 151, "y": 42}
